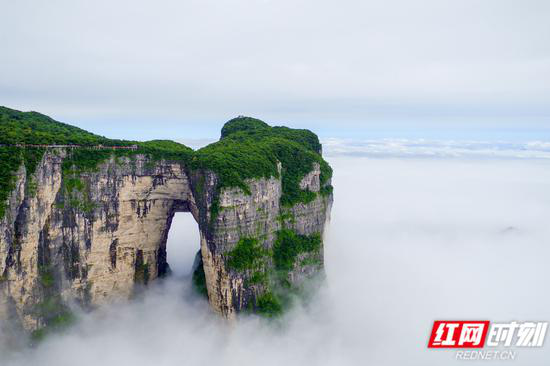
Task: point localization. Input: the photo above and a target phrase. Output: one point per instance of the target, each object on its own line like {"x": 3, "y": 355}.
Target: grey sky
{"x": 338, "y": 67}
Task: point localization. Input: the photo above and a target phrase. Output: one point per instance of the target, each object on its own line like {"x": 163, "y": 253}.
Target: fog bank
{"x": 410, "y": 241}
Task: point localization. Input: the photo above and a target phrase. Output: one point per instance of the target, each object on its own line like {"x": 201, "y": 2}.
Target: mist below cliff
{"x": 410, "y": 241}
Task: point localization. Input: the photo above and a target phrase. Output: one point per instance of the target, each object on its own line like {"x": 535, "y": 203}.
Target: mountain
{"x": 87, "y": 225}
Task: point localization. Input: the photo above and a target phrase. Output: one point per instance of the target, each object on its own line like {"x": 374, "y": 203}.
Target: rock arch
{"x": 99, "y": 243}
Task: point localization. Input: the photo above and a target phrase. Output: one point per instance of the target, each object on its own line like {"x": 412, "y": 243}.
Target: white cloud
{"x": 420, "y": 148}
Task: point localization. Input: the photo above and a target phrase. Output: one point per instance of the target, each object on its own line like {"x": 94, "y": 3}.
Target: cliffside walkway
{"x": 94, "y": 147}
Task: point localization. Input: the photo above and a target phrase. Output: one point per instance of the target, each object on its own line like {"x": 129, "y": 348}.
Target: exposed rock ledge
{"x": 105, "y": 240}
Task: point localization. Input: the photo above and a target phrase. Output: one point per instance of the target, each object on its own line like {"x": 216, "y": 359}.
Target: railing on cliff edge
{"x": 95, "y": 147}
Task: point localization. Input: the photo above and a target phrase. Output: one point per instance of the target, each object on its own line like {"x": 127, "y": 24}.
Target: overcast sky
{"x": 179, "y": 69}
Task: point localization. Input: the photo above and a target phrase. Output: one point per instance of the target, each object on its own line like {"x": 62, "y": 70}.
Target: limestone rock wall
{"x": 105, "y": 239}
{"x": 259, "y": 215}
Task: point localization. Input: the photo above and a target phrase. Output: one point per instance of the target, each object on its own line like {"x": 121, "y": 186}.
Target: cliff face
{"x": 99, "y": 235}
{"x": 260, "y": 216}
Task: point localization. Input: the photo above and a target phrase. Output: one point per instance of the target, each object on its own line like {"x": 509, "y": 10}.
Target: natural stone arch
{"x": 104, "y": 255}
{"x": 89, "y": 225}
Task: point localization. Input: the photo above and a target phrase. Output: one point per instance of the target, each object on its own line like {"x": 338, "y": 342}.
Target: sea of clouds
{"x": 419, "y": 231}
{"x": 423, "y": 148}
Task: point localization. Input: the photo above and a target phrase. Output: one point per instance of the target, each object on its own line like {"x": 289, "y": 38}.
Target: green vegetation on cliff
{"x": 36, "y": 129}
{"x": 32, "y": 128}
{"x": 242, "y": 124}
{"x": 289, "y": 245}
{"x": 248, "y": 148}
{"x": 269, "y": 305}
{"x": 272, "y": 284}
{"x": 247, "y": 254}
{"x": 11, "y": 159}
{"x": 56, "y": 316}
{"x": 199, "y": 280}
